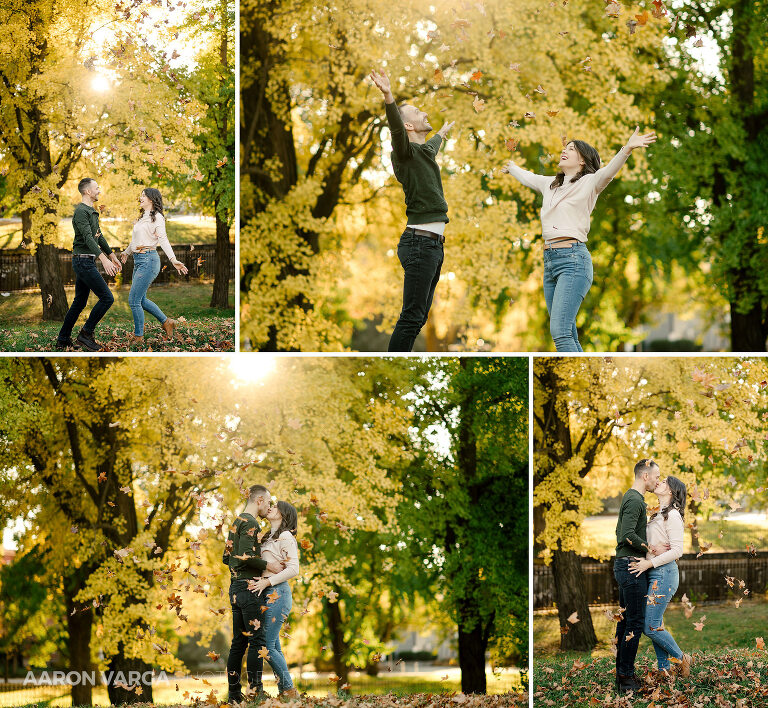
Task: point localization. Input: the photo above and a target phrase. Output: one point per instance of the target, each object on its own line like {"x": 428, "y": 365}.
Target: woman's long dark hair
{"x": 678, "y": 498}
{"x": 591, "y": 163}
{"x": 290, "y": 519}
{"x": 156, "y": 198}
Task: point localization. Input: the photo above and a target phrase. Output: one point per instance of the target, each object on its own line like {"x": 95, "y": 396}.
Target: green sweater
{"x": 88, "y": 237}
{"x": 631, "y": 539}
{"x": 417, "y": 170}
{"x": 243, "y": 552}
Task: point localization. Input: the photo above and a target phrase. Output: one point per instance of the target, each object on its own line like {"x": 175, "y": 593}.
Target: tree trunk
{"x": 133, "y": 672}
{"x": 52, "y": 292}
{"x": 338, "y": 645}
{"x": 570, "y": 597}
{"x": 472, "y": 647}
{"x": 220, "y": 297}
{"x": 79, "y": 627}
{"x": 748, "y": 330}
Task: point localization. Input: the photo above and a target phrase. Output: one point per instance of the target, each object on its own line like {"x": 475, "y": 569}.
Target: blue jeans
{"x": 632, "y": 592}
{"x": 276, "y": 613}
{"x": 246, "y": 607}
{"x": 662, "y": 585}
{"x": 146, "y": 266}
{"x": 567, "y": 278}
{"x": 87, "y": 279}
{"x": 422, "y": 259}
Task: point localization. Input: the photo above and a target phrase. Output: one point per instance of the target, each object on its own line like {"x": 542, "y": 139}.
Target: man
{"x": 420, "y": 249}
{"x": 89, "y": 244}
{"x": 242, "y": 554}
{"x": 631, "y": 541}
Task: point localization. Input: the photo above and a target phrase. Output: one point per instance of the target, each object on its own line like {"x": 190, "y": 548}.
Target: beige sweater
{"x": 671, "y": 531}
{"x": 148, "y": 233}
{"x": 284, "y": 548}
{"x": 566, "y": 210}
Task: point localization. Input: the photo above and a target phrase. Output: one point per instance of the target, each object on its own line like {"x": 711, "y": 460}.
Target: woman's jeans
{"x": 277, "y": 612}
{"x": 146, "y": 266}
{"x": 632, "y": 592}
{"x": 422, "y": 259}
{"x": 246, "y": 607}
{"x": 662, "y": 585}
{"x": 567, "y": 278}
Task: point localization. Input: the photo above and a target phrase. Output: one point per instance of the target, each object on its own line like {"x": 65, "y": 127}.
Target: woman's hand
{"x": 640, "y": 141}
{"x": 637, "y": 566}
{"x": 180, "y": 267}
{"x": 262, "y": 584}
{"x": 505, "y": 170}
{"x": 124, "y": 257}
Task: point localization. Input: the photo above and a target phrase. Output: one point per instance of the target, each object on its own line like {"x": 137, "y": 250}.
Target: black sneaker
{"x": 62, "y": 346}
{"x": 88, "y": 342}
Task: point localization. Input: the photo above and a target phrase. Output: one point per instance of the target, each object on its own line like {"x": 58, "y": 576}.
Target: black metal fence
{"x": 18, "y": 267}
{"x": 702, "y": 579}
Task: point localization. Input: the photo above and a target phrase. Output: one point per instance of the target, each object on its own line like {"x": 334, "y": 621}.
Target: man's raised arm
{"x": 400, "y": 143}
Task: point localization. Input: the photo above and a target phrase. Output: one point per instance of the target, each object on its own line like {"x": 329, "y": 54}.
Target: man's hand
{"x": 115, "y": 262}
{"x": 109, "y": 267}
{"x": 660, "y": 548}
{"x": 382, "y": 83}
{"x": 444, "y": 130}
{"x": 275, "y": 566}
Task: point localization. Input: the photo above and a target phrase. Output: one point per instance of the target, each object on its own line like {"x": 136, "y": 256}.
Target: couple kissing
{"x": 259, "y": 592}
{"x": 646, "y": 572}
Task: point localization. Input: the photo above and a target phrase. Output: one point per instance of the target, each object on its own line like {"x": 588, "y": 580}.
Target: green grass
{"x": 399, "y": 690}
{"x": 204, "y": 329}
{"x": 184, "y": 229}
{"x": 599, "y": 535}
{"x": 719, "y": 678}
{"x": 726, "y": 627}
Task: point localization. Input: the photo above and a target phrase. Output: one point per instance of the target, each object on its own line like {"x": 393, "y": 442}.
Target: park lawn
{"x": 720, "y": 678}
{"x": 726, "y": 627}
{"x": 203, "y": 328}
{"x": 181, "y": 230}
{"x": 599, "y": 534}
{"x": 388, "y": 690}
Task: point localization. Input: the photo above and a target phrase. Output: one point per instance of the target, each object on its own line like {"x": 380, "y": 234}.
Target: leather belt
{"x": 83, "y": 255}
{"x": 429, "y": 234}
{"x": 565, "y": 243}
{"x": 144, "y": 249}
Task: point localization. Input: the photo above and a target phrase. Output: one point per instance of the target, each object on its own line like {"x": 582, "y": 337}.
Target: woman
{"x": 569, "y": 199}
{"x": 148, "y": 232}
{"x": 279, "y": 545}
{"x": 665, "y": 530}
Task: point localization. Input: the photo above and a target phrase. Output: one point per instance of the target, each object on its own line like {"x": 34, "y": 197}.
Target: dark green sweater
{"x": 88, "y": 238}
{"x": 242, "y": 542}
{"x": 417, "y": 170}
{"x": 631, "y": 539}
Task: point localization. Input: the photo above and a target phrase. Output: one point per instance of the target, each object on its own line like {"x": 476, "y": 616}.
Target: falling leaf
{"x": 478, "y": 104}
{"x": 573, "y": 618}
{"x": 439, "y": 78}
{"x": 476, "y": 76}
{"x": 511, "y": 144}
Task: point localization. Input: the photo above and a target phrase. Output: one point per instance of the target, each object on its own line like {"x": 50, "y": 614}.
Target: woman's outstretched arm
{"x": 528, "y": 179}
{"x": 605, "y": 174}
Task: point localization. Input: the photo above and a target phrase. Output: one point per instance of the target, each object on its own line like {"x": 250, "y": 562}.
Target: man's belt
{"x": 83, "y": 255}
{"x": 429, "y": 234}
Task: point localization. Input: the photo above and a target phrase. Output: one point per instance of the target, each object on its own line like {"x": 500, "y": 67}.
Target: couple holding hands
{"x": 568, "y": 201}
{"x": 90, "y": 245}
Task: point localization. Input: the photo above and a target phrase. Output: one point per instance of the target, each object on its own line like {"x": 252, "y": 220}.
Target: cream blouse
{"x": 566, "y": 210}
{"x": 284, "y": 548}
{"x": 148, "y": 233}
{"x": 671, "y": 531}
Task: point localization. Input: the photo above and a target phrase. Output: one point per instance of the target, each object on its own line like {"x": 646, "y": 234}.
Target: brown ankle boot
{"x": 135, "y": 338}
{"x": 290, "y": 693}
{"x": 170, "y": 327}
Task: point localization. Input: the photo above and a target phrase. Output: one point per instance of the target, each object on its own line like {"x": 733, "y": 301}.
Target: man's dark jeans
{"x": 633, "y": 591}
{"x": 87, "y": 278}
{"x": 421, "y": 258}
{"x": 246, "y": 607}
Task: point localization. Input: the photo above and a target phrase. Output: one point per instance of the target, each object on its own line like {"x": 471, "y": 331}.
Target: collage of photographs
{"x": 373, "y": 354}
